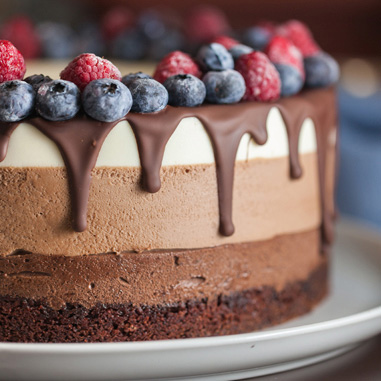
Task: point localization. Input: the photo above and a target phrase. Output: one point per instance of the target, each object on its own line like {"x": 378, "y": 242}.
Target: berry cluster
{"x": 295, "y": 54}
{"x": 223, "y": 72}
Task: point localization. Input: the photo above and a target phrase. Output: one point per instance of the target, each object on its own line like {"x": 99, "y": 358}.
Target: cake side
{"x": 131, "y": 294}
{"x": 195, "y": 203}
{"x": 116, "y": 198}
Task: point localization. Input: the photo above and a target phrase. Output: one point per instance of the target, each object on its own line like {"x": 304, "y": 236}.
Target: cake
{"x": 185, "y": 222}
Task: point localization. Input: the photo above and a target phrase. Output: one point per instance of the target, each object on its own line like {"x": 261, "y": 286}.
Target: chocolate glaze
{"x": 6, "y": 130}
{"x": 81, "y": 139}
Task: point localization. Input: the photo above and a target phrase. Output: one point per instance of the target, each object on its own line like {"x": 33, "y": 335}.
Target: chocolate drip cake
{"x": 184, "y": 222}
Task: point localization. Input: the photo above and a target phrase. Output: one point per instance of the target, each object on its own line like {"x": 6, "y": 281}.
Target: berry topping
{"x": 159, "y": 48}
{"x": 37, "y": 80}
{"x": 185, "y": 90}
{"x": 226, "y": 41}
{"x": 58, "y": 100}
{"x": 239, "y": 50}
{"x": 321, "y": 70}
{"x": 175, "y": 63}
{"x": 291, "y": 79}
{"x": 88, "y": 67}
{"x": 127, "y": 79}
{"x": 129, "y": 45}
{"x": 106, "y": 99}
{"x": 261, "y": 78}
{"x": 257, "y": 37}
{"x": 299, "y": 34}
{"x": 12, "y": 65}
{"x": 214, "y": 57}
{"x": 115, "y": 21}
{"x": 21, "y": 31}
{"x": 57, "y": 40}
{"x": 148, "y": 95}
{"x": 280, "y": 50}
{"x": 16, "y": 100}
{"x": 205, "y": 23}
{"x": 224, "y": 87}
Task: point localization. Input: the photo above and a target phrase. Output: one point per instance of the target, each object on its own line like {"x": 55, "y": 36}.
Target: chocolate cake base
{"x": 26, "y": 320}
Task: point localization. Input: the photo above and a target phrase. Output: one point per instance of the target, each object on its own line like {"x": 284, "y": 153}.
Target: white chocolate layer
{"x": 189, "y": 144}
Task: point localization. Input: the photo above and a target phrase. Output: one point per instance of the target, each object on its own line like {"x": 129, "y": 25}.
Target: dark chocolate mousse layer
{"x": 160, "y": 277}
{"x": 160, "y": 294}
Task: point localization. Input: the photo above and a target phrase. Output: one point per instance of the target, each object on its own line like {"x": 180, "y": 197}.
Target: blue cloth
{"x": 359, "y": 181}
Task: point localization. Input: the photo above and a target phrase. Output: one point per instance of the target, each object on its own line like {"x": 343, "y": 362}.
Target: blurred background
{"x": 136, "y": 30}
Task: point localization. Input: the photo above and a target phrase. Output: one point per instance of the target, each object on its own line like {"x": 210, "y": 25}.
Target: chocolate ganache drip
{"x": 80, "y": 140}
{"x": 6, "y": 130}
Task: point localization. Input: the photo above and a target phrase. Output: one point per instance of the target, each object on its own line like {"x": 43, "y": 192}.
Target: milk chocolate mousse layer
{"x": 162, "y": 294}
{"x": 35, "y": 203}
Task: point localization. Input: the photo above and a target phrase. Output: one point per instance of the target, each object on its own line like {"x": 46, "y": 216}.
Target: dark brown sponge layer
{"x": 26, "y": 320}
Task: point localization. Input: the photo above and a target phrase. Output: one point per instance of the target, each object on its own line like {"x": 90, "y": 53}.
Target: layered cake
{"x": 198, "y": 212}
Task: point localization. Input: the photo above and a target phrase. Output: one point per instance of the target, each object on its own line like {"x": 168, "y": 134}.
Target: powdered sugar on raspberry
{"x": 12, "y": 64}
{"x": 88, "y": 67}
{"x": 176, "y": 63}
{"x": 280, "y": 50}
{"x": 261, "y": 77}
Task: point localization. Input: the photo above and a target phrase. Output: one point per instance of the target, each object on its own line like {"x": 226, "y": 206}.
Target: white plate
{"x": 350, "y": 315}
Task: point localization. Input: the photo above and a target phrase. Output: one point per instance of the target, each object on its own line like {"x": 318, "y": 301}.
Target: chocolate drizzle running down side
{"x": 80, "y": 140}
{"x": 6, "y": 130}
{"x": 225, "y": 126}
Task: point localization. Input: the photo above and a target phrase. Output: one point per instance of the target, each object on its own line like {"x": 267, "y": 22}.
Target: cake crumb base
{"x": 27, "y": 320}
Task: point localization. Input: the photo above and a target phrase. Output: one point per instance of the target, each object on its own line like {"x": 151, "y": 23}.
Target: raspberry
{"x": 22, "y": 33}
{"x": 226, "y": 41}
{"x": 267, "y": 25}
{"x": 280, "y": 50}
{"x": 299, "y": 34}
{"x": 261, "y": 77}
{"x": 205, "y": 23}
{"x": 12, "y": 65}
{"x": 88, "y": 67}
{"x": 116, "y": 21}
{"x": 176, "y": 63}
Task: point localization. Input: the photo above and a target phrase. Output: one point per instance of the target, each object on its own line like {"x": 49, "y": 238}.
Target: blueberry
{"x": 224, "y": 87}
{"x": 17, "y": 100}
{"x": 148, "y": 95}
{"x": 291, "y": 80}
{"x": 173, "y": 40}
{"x": 185, "y": 90}
{"x": 214, "y": 57}
{"x": 239, "y": 50}
{"x": 57, "y": 40}
{"x": 37, "y": 80}
{"x": 129, "y": 45}
{"x": 58, "y": 100}
{"x": 106, "y": 99}
{"x": 257, "y": 37}
{"x": 151, "y": 25}
{"x": 127, "y": 79}
{"x": 89, "y": 39}
{"x": 321, "y": 70}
